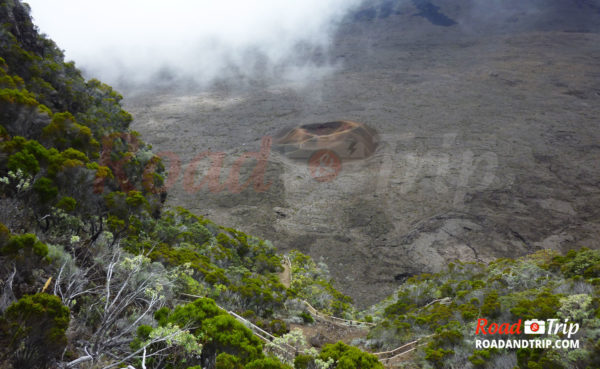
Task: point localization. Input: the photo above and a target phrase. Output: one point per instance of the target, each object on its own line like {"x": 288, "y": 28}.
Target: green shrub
{"x": 581, "y": 263}
{"x": 302, "y": 361}
{"x": 226, "y": 361}
{"x": 545, "y": 305}
{"x": 468, "y": 311}
{"x": 72, "y": 154}
{"x": 194, "y": 313}
{"x": 24, "y": 246}
{"x": 230, "y": 336}
{"x": 46, "y": 189}
{"x": 143, "y": 331}
{"x": 23, "y": 161}
{"x": 437, "y": 356}
{"x": 481, "y": 357}
{"x": 448, "y": 334}
{"x": 491, "y": 305}
{"x": 436, "y": 315}
{"x": 222, "y": 332}
{"x": 135, "y": 199}
{"x": 447, "y": 289}
{"x": 398, "y": 308}
{"x": 306, "y": 317}
{"x": 266, "y": 363}
{"x": 278, "y": 327}
{"x": 349, "y": 357}
{"x": 539, "y": 359}
{"x": 162, "y": 316}
{"x": 35, "y": 330}
{"x": 67, "y": 204}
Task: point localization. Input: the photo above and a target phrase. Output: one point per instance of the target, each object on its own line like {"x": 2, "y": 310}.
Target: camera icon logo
{"x": 535, "y": 326}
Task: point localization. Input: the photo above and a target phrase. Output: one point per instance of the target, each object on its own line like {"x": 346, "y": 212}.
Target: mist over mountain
{"x": 139, "y": 42}
{"x": 186, "y": 42}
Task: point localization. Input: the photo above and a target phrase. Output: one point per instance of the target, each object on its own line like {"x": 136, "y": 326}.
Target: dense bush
{"x": 349, "y": 357}
{"x": 34, "y": 330}
{"x": 226, "y": 361}
{"x": 218, "y": 331}
{"x": 22, "y": 247}
{"x": 267, "y": 363}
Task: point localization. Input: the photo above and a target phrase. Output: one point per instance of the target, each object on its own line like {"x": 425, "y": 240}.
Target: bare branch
{"x": 8, "y": 297}
{"x": 136, "y": 353}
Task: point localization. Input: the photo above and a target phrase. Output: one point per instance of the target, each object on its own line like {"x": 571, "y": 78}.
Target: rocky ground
{"x": 489, "y": 141}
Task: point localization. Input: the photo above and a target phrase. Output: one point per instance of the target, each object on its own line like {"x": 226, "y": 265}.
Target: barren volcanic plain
{"x": 488, "y": 123}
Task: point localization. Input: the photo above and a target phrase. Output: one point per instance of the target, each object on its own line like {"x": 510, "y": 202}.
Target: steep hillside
{"x": 443, "y": 310}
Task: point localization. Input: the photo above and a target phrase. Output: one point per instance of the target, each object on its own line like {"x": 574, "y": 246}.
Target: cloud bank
{"x": 133, "y": 41}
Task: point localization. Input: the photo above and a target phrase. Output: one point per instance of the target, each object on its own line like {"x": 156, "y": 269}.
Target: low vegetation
{"x": 442, "y": 309}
